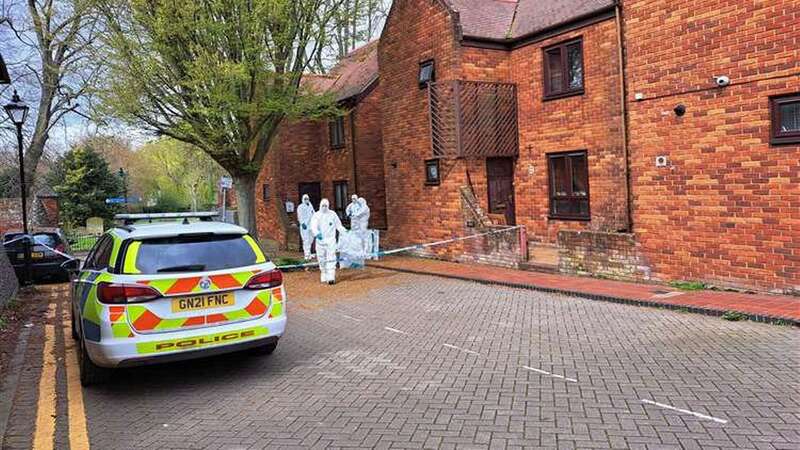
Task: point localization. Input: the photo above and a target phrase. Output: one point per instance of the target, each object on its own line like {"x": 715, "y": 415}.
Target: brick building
{"x": 328, "y": 159}
{"x": 604, "y": 128}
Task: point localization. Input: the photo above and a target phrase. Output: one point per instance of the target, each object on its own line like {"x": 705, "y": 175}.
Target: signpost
{"x": 225, "y": 183}
{"x": 121, "y": 200}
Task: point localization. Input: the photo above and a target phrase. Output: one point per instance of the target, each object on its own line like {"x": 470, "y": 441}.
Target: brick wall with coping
{"x": 601, "y": 254}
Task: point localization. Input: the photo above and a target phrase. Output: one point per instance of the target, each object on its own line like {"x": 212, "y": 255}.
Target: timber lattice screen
{"x": 472, "y": 119}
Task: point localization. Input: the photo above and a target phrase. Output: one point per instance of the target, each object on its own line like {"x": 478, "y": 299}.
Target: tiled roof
{"x": 350, "y": 76}
{"x": 538, "y": 15}
{"x": 513, "y": 19}
{"x": 485, "y": 18}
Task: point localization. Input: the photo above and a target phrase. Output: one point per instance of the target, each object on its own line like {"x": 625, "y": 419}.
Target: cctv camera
{"x": 722, "y": 81}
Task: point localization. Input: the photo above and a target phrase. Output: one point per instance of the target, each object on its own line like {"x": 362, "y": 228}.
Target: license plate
{"x": 37, "y": 255}
{"x": 197, "y": 302}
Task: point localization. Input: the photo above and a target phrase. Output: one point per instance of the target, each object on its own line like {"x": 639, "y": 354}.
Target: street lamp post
{"x": 17, "y": 111}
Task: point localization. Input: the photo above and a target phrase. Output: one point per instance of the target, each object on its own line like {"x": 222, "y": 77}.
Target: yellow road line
{"x": 46, "y": 404}
{"x": 78, "y": 433}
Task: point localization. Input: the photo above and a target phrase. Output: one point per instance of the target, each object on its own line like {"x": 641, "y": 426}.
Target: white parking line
{"x": 536, "y": 370}
{"x": 349, "y": 317}
{"x": 461, "y": 349}
{"x": 684, "y": 411}
{"x": 394, "y": 330}
{"x": 533, "y": 369}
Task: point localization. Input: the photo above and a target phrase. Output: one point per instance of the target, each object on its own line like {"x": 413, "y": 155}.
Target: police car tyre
{"x": 266, "y": 349}
{"x": 90, "y": 373}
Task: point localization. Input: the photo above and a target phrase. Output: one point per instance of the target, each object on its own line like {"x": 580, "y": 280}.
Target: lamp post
{"x": 17, "y": 111}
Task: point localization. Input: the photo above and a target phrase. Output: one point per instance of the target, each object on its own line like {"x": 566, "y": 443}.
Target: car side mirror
{"x": 72, "y": 265}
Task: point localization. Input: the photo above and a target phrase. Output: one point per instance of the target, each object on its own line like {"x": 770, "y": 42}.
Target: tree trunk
{"x": 246, "y": 201}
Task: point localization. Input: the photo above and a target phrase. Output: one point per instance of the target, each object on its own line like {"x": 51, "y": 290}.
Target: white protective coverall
{"x": 304, "y": 213}
{"x": 360, "y": 224}
{"x": 352, "y": 208}
{"x": 324, "y": 225}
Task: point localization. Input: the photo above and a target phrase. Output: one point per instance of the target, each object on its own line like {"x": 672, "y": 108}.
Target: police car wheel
{"x": 90, "y": 373}
{"x": 266, "y": 349}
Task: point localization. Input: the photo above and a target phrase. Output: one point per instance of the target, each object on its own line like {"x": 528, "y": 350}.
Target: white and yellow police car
{"x": 166, "y": 291}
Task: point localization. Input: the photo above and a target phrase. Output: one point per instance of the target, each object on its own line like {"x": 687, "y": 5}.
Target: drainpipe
{"x": 624, "y": 118}
{"x": 353, "y": 149}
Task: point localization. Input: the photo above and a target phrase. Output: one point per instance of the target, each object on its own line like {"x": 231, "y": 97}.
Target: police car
{"x": 166, "y": 291}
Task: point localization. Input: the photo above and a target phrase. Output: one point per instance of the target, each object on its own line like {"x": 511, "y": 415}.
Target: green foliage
{"x": 734, "y": 316}
{"x": 83, "y": 181}
{"x": 688, "y": 285}
{"x": 176, "y": 176}
{"x": 217, "y": 74}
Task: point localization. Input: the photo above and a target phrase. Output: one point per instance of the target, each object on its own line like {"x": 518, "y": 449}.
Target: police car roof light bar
{"x": 130, "y": 219}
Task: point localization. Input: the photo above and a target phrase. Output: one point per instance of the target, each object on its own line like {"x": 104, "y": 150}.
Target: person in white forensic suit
{"x": 304, "y": 214}
{"x": 360, "y": 224}
{"x": 352, "y": 208}
{"x": 324, "y": 225}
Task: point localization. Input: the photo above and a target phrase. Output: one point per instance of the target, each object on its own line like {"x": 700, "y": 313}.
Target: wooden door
{"x": 314, "y": 191}
{"x": 500, "y": 180}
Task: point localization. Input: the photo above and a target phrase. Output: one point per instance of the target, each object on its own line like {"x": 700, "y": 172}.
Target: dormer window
{"x": 427, "y": 73}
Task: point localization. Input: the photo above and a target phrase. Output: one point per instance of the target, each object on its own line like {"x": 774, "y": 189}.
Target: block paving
{"x": 426, "y": 362}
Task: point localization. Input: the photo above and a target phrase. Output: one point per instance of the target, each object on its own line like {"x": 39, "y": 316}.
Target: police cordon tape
{"x": 35, "y": 243}
{"x": 410, "y": 247}
{"x": 315, "y": 264}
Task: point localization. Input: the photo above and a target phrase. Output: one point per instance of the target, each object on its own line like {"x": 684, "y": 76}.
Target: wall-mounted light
{"x": 680, "y": 110}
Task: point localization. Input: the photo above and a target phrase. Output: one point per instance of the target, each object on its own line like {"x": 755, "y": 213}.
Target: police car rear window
{"x": 184, "y": 254}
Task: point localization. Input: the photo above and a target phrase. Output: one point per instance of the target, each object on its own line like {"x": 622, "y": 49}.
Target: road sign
{"x": 225, "y": 183}
{"x": 120, "y": 200}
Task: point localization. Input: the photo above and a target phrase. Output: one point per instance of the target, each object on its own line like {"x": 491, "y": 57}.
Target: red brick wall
{"x": 727, "y": 208}
{"x": 588, "y": 122}
{"x": 369, "y": 157}
{"x": 417, "y": 30}
{"x": 420, "y": 30}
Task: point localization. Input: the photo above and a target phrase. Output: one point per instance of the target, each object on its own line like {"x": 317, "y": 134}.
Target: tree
{"x": 219, "y": 75}
{"x": 86, "y": 182}
{"x": 175, "y": 172}
{"x": 50, "y": 41}
{"x": 355, "y": 23}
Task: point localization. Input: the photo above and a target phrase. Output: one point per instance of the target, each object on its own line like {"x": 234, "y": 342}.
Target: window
{"x": 427, "y": 73}
{"x": 432, "y": 172}
{"x": 340, "y": 198}
{"x": 785, "y": 112}
{"x": 265, "y": 191}
{"x": 336, "y": 131}
{"x": 100, "y": 255}
{"x": 569, "y": 185}
{"x": 563, "y": 70}
{"x": 194, "y": 254}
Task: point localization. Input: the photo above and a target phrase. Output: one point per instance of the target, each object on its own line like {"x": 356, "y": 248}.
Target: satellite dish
{"x": 4, "y": 78}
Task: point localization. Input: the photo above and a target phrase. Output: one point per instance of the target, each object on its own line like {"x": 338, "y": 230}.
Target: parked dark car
{"x": 45, "y": 263}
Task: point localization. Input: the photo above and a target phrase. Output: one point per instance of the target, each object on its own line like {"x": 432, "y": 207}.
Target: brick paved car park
{"x": 392, "y": 360}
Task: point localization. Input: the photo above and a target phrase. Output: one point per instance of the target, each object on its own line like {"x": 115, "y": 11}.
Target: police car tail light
{"x": 114, "y": 293}
{"x": 265, "y": 280}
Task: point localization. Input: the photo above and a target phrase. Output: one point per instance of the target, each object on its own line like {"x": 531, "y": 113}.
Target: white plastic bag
{"x": 351, "y": 251}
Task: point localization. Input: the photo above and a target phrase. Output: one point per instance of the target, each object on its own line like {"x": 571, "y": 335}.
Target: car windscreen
{"x": 15, "y": 241}
{"x": 48, "y": 239}
{"x": 183, "y": 254}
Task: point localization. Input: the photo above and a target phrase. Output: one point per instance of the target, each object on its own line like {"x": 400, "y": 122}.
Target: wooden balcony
{"x": 472, "y": 119}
